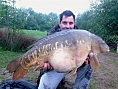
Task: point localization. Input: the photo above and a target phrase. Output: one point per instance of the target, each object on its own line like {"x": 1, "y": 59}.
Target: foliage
{"x": 14, "y": 41}
{"x": 102, "y": 20}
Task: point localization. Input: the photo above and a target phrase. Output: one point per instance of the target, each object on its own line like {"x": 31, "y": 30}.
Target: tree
{"x": 83, "y": 21}
{"x": 31, "y": 23}
{"x": 102, "y": 19}
{"x": 108, "y": 12}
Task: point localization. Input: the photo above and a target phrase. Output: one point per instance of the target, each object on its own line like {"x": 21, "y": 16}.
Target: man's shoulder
{"x": 56, "y": 28}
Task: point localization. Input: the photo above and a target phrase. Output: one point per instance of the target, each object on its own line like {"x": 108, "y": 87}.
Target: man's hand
{"x": 87, "y": 61}
{"x": 46, "y": 65}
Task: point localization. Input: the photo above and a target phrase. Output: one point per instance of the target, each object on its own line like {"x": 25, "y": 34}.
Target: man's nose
{"x": 67, "y": 26}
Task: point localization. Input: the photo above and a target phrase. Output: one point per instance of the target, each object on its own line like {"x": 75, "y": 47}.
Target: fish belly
{"x": 65, "y": 60}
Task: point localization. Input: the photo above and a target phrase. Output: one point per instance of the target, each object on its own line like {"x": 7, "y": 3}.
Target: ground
{"x": 105, "y": 78}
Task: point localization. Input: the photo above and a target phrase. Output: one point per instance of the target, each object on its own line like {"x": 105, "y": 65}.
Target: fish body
{"x": 65, "y": 51}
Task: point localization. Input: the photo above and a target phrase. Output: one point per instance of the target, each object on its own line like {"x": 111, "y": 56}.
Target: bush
{"x": 14, "y": 40}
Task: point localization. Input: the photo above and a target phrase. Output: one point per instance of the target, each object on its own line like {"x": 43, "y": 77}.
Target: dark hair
{"x": 67, "y": 13}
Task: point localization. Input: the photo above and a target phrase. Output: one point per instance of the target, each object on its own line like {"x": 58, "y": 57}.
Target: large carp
{"x": 65, "y": 51}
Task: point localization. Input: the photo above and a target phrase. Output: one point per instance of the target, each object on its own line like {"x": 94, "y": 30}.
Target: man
{"x": 51, "y": 78}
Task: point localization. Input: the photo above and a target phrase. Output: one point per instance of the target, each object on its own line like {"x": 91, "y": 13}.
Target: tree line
{"x": 101, "y": 19}
{"x": 21, "y": 18}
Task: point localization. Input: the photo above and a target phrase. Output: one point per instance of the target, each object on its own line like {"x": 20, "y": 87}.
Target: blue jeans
{"x": 51, "y": 79}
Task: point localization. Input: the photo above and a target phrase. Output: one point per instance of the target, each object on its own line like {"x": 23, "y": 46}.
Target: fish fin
{"x": 12, "y": 66}
{"x": 72, "y": 72}
{"x": 40, "y": 65}
{"x": 94, "y": 63}
{"x": 19, "y": 73}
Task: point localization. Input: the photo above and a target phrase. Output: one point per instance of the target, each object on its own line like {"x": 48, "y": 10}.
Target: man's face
{"x": 67, "y": 22}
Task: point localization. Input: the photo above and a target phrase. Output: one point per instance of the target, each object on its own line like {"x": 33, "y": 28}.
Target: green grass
{"x": 35, "y": 33}
{"x": 6, "y": 57}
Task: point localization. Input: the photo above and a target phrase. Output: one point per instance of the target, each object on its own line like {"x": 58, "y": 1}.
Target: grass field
{"x": 35, "y": 33}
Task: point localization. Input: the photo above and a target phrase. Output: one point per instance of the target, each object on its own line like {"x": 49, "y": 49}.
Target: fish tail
{"x": 12, "y": 66}
{"x": 16, "y": 68}
{"x": 19, "y": 73}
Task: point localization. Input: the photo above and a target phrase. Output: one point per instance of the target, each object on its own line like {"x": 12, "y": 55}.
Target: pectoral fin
{"x": 72, "y": 72}
{"x": 94, "y": 63}
{"x": 40, "y": 65}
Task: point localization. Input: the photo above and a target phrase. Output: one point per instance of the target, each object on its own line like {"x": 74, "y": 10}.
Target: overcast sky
{"x": 56, "y": 6}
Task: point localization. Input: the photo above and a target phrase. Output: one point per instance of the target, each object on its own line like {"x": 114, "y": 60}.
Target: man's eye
{"x": 70, "y": 23}
{"x": 64, "y": 23}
